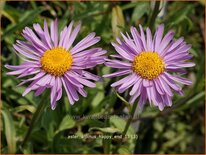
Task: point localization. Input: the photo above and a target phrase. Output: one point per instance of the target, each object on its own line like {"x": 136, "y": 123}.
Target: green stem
{"x": 130, "y": 119}
{"x": 127, "y": 124}
{"x": 36, "y": 116}
{"x": 154, "y": 15}
{"x": 106, "y": 142}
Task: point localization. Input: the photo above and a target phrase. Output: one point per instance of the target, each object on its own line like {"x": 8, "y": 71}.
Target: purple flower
{"x": 150, "y": 64}
{"x": 55, "y": 63}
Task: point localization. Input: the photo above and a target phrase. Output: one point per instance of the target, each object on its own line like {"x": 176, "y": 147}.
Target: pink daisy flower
{"x": 151, "y": 65}
{"x": 55, "y": 63}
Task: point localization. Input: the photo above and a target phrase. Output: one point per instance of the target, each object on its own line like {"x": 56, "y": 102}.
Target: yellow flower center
{"x": 56, "y": 61}
{"x": 148, "y": 65}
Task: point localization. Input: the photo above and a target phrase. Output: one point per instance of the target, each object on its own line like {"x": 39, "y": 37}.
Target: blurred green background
{"x": 179, "y": 129}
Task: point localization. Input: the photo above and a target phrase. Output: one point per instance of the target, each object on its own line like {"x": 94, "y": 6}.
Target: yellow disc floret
{"x": 56, "y": 61}
{"x": 148, "y": 65}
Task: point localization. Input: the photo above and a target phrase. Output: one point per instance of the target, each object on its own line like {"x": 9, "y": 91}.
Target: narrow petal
{"x": 176, "y": 43}
{"x": 137, "y": 92}
{"x": 147, "y": 83}
{"x": 22, "y": 52}
{"x": 180, "y": 65}
{"x": 136, "y": 86}
{"x": 83, "y": 81}
{"x": 37, "y": 76}
{"x": 71, "y": 100}
{"x": 150, "y": 46}
{"x": 59, "y": 88}
{"x": 29, "y": 72}
{"x": 90, "y": 76}
{"x": 86, "y": 45}
{"x": 142, "y": 99}
{"x": 53, "y": 95}
{"x": 143, "y": 38}
{"x": 54, "y": 32}
{"x": 117, "y": 83}
{"x": 86, "y": 40}
{"x": 130, "y": 44}
{"x": 122, "y": 52}
{"x": 29, "y": 48}
{"x": 32, "y": 86}
{"x": 165, "y": 41}
{"x": 40, "y": 33}
{"x": 73, "y": 80}
{"x": 158, "y": 37}
{"x": 179, "y": 79}
{"x": 170, "y": 82}
{"x": 31, "y": 36}
{"x": 82, "y": 92}
{"x": 158, "y": 87}
{"x": 72, "y": 91}
{"x": 72, "y": 37}
{"x": 67, "y": 35}
{"x": 118, "y": 64}
{"x": 47, "y": 36}
{"x": 137, "y": 39}
{"x": 165, "y": 87}
{"x": 45, "y": 80}
{"x": 39, "y": 91}
{"x": 62, "y": 36}
{"x": 118, "y": 73}
{"x": 16, "y": 72}
{"x": 129, "y": 83}
{"x": 86, "y": 82}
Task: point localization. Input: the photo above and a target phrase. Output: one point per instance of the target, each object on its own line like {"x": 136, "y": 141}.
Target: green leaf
{"x": 2, "y": 4}
{"x": 9, "y": 130}
{"x": 120, "y": 124}
{"x": 124, "y": 101}
{"x": 98, "y": 97}
{"x": 179, "y": 15}
{"x": 94, "y": 122}
{"x": 30, "y": 108}
{"x": 139, "y": 11}
{"x": 117, "y": 20}
{"x": 23, "y": 21}
{"x": 12, "y": 12}
{"x": 67, "y": 123}
{"x": 133, "y": 4}
{"x": 66, "y": 145}
{"x": 106, "y": 130}
{"x": 124, "y": 150}
{"x": 195, "y": 101}
{"x": 28, "y": 149}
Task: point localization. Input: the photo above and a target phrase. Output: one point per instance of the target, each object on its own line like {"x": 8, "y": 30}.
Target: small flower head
{"x": 151, "y": 64}
{"x": 143, "y": 65}
{"x": 55, "y": 63}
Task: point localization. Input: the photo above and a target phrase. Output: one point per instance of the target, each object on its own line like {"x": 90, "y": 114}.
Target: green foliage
{"x": 9, "y": 130}
{"x": 66, "y": 123}
{"x": 83, "y": 127}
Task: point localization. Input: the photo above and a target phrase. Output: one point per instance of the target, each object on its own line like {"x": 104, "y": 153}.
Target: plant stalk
{"x": 127, "y": 125}
{"x": 36, "y": 116}
{"x": 106, "y": 142}
{"x": 155, "y": 12}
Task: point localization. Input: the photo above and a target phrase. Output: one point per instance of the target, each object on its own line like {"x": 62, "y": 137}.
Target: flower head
{"x": 152, "y": 65}
{"x": 55, "y": 63}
